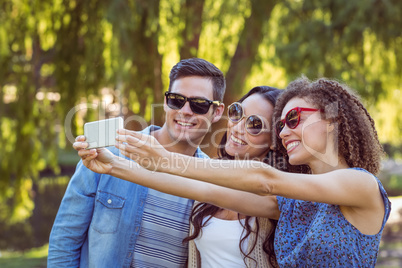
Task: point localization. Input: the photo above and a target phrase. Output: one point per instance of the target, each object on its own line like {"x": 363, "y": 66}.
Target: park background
{"x": 67, "y": 62}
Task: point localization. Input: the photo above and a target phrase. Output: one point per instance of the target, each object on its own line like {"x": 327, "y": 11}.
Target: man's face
{"x": 184, "y": 125}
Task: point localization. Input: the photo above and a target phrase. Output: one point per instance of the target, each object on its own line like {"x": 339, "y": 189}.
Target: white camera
{"x": 102, "y": 133}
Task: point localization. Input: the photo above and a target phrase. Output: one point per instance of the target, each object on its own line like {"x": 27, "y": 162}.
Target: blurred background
{"x": 67, "y": 62}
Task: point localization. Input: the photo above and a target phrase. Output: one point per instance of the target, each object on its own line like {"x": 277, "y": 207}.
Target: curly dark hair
{"x": 357, "y": 138}
{"x": 275, "y": 159}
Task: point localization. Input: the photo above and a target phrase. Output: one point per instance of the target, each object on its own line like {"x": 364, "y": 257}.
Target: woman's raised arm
{"x": 335, "y": 187}
{"x": 244, "y": 175}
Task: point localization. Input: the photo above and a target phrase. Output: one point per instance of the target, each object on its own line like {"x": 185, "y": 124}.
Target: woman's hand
{"x": 142, "y": 148}
{"x": 98, "y": 160}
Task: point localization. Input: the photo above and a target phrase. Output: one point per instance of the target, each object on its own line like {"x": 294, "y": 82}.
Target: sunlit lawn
{"x": 34, "y": 258}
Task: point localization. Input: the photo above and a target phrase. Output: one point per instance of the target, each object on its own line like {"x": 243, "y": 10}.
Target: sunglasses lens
{"x": 175, "y": 101}
{"x": 199, "y": 106}
{"x": 292, "y": 118}
{"x": 235, "y": 112}
{"x": 254, "y": 125}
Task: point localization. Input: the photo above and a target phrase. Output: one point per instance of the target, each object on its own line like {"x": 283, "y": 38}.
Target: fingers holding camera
{"x": 88, "y": 156}
{"x": 98, "y": 160}
{"x": 129, "y": 143}
{"x": 80, "y": 143}
{"x": 142, "y": 144}
{"x": 130, "y": 152}
{"x": 84, "y": 154}
{"x": 127, "y": 150}
{"x": 80, "y": 138}
{"x": 137, "y": 146}
{"x": 131, "y": 137}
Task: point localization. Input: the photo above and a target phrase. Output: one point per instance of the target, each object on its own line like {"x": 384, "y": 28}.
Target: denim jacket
{"x": 99, "y": 220}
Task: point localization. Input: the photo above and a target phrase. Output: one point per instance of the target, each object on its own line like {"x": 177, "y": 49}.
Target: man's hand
{"x": 98, "y": 160}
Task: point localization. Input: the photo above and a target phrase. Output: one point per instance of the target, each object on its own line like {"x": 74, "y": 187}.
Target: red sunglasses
{"x": 292, "y": 119}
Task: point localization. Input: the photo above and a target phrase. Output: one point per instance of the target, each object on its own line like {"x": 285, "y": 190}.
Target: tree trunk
{"x": 247, "y": 48}
{"x": 191, "y": 14}
{"x": 241, "y": 64}
{"x": 146, "y": 61}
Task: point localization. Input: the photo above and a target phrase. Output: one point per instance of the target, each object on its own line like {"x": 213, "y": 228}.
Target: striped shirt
{"x": 165, "y": 223}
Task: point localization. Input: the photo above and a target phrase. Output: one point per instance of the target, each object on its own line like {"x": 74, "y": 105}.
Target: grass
{"x": 34, "y": 258}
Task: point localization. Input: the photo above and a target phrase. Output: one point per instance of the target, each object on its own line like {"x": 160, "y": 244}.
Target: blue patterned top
{"x": 312, "y": 234}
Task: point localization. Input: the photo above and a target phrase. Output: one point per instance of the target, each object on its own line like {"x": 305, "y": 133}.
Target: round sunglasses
{"x": 292, "y": 119}
{"x": 254, "y": 123}
{"x": 197, "y": 105}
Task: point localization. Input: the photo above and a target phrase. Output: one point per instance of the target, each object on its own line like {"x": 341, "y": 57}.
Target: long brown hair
{"x": 275, "y": 159}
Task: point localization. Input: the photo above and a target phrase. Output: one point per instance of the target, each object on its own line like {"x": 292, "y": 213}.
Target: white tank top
{"x": 218, "y": 244}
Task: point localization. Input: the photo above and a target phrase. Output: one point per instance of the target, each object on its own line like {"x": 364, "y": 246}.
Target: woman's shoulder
{"x": 359, "y": 175}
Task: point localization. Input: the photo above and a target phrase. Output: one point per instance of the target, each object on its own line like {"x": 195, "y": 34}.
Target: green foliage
{"x": 57, "y": 56}
{"x": 223, "y": 23}
{"x": 35, "y": 230}
{"x": 396, "y": 182}
{"x": 351, "y": 41}
{"x": 389, "y": 120}
{"x": 392, "y": 183}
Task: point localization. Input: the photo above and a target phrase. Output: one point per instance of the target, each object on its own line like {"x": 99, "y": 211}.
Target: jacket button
{"x": 109, "y": 201}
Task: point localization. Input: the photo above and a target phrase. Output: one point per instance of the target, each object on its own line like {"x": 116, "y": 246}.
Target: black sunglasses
{"x": 292, "y": 119}
{"x": 197, "y": 105}
{"x": 254, "y": 123}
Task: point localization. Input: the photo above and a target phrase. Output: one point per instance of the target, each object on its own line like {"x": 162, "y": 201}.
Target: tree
{"x": 136, "y": 26}
{"x": 355, "y": 41}
{"x": 58, "y": 55}
{"x": 242, "y": 62}
{"x": 47, "y": 50}
{"x": 191, "y": 14}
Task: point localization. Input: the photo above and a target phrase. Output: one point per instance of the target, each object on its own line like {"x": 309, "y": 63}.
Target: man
{"x": 107, "y": 222}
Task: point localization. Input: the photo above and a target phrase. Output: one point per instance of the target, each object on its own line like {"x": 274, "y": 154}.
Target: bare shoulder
{"x": 357, "y": 177}
{"x": 366, "y": 210}
{"x": 345, "y": 187}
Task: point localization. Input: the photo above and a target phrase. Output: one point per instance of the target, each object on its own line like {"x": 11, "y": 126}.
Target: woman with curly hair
{"x": 332, "y": 216}
{"x": 336, "y": 214}
{"x": 220, "y": 236}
